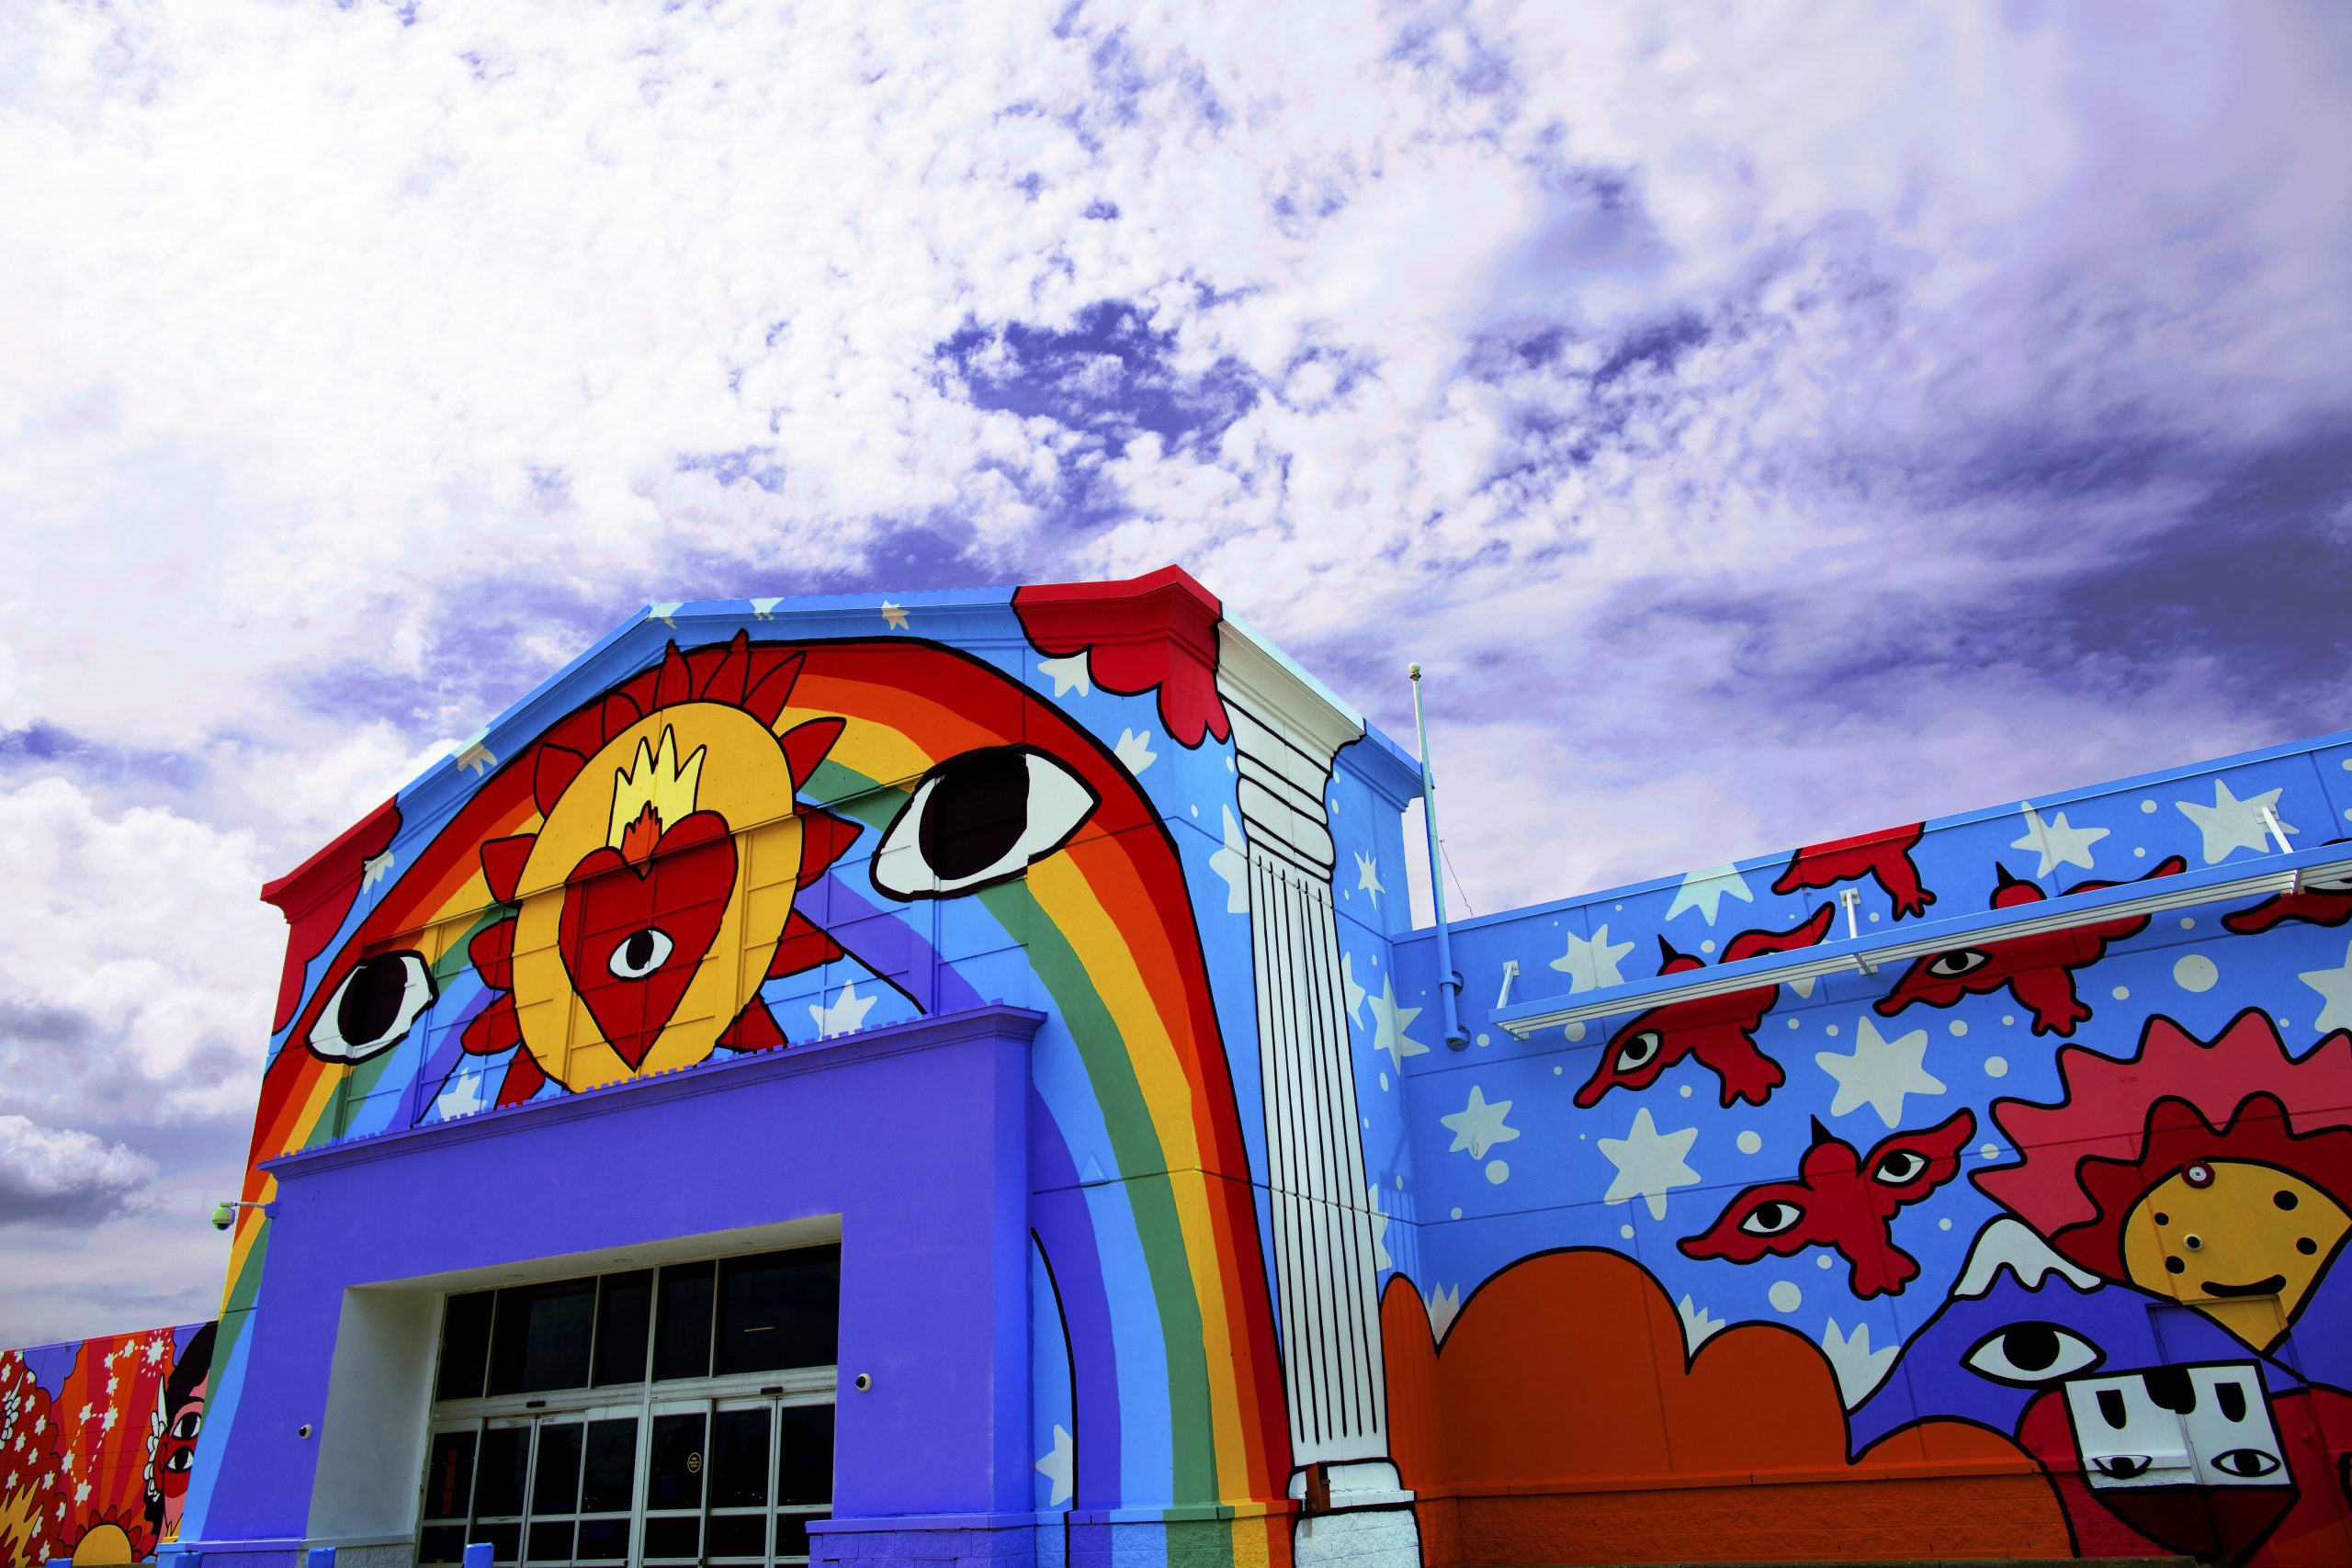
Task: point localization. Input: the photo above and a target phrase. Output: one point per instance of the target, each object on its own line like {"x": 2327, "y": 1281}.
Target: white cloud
{"x": 62, "y": 1177}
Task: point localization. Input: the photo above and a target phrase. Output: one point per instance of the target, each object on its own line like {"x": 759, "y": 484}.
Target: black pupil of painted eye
{"x": 1901, "y": 1167}
{"x": 2031, "y": 1347}
{"x": 637, "y": 953}
{"x": 371, "y": 1002}
{"x": 1639, "y": 1049}
{"x": 976, "y": 814}
{"x": 2284, "y": 1199}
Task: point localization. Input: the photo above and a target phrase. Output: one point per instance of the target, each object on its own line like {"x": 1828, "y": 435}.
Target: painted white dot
{"x": 1832, "y": 1029}
{"x": 2008, "y": 1018}
{"x": 1990, "y": 1151}
{"x": 1822, "y": 1260}
{"x": 1686, "y": 1091}
{"x": 1383, "y": 1080}
{"x": 2347, "y": 813}
{"x": 1708, "y": 945}
{"x": 1454, "y": 1214}
{"x": 1497, "y": 1172}
{"x": 1482, "y": 1039}
{"x": 1621, "y": 909}
{"x": 2195, "y": 972}
{"x": 1792, "y": 1023}
{"x": 1750, "y": 1142}
{"x": 1196, "y": 811}
{"x": 1575, "y": 1033}
{"x": 1997, "y": 1066}
{"x": 1958, "y": 1028}
{"x": 1625, "y": 1233}
{"x": 2188, "y": 923}
{"x": 2122, "y": 993}
{"x": 1555, "y": 1072}
{"x": 1785, "y": 1296}
{"x": 1943, "y": 1225}
{"x": 2148, "y": 805}
{"x": 2141, "y": 852}
{"x": 1873, "y": 917}
{"x": 1367, "y": 1124}
{"x": 1400, "y": 1181}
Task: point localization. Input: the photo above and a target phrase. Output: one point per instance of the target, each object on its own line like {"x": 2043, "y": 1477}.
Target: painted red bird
{"x": 1884, "y": 856}
{"x": 2314, "y": 904}
{"x": 2038, "y": 970}
{"x": 1719, "y": 1031}
{"x": 1843, "y": 1201}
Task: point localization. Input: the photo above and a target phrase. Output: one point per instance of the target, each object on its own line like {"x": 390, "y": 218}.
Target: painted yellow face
{"x": 2242, "y": 1243}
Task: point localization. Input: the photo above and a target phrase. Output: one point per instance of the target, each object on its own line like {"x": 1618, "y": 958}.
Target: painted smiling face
{"x": 2243, "y": 1243}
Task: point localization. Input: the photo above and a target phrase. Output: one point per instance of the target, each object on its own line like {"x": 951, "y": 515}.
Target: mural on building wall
{"x": 2037, "y": 1233}
{"x": 97, "y": 1442}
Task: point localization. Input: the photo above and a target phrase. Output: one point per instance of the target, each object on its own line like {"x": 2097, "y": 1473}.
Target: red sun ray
{"x": 806, "y": 745}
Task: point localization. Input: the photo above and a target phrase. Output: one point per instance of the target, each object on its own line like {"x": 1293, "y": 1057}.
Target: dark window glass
{"x": 779, "y": 1309}
{"x": 555, "y": 1483}
{"x": 441, "y": 1543}
{"x": 450, "y": 1475}
{"x": 502, "y": 1539}
{"x": 804, "y": 1454}
{"x": 621, "y": 1323}
{"x": 498, "y": 1489}
{"x": 611, "y": 1475}
{"x": 673, "y": 1475}
{"x": 739, "y": 1535}
{"x": 551, "y": 1542}
{"x": 682, "y": 1334}
{"x": 675, "y": 1536}
{"x": 739, "y": 1461}
{"x": 541, "y": 1341}
{"x": 464, "y": 1346}
{"x": 603, "y": 1540}
{"x": 792, "y": 1533}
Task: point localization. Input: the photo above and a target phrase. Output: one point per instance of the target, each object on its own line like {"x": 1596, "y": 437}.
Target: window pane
{"x": 792, "y": 1533}
{"x": 610, "y": 1481}
{"x": 682, "y": 1335}
{"x": 621, "y": 1324}
{"x": 504, "y": 1457}
{"x": 502, "y": 1539}
{"x": 555, "y": 1483}
{"x": 464, "y": 1346}
{"x": 551, "y": 1542}
{"x": 804, "y": 1454}
{"x": 779, "y": 1309}
{"x": 739, "y": 1461}
{"x": 541, "y": 1341}
{"x": 441, "y": 1543}
{"x": 739, "y": 1535}
{"x": 673, "y": 1537}
{"x": 603, "y": 1540}
{"x": 450, "y": 1475}
{"x": 674, "y": 1475}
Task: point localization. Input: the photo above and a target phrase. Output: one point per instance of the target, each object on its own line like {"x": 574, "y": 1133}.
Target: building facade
{"x": 955, "y": 1079}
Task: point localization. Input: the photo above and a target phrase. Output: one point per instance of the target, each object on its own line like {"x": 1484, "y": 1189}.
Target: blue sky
{"x": 1765, "y": 421}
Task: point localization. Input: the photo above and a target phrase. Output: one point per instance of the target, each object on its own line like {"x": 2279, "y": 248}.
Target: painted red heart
{"x": 617, "y": 914}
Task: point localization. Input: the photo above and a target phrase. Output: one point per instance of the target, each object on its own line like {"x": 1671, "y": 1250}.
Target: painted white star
{"x": 1069, "y": 674}
{"x": 1380, "y": 1258}
{"x": 1389, "y": 1023}
{"x": 2057, "y": 842}
{"x": 893, "y": 617}
{"x": 1133, "y": 749}
{"x": 1591, "y": 964}
{"x": 461, "y": 1095}
{"x": 1879, "y": 1072}
{"x": 1649, "y": 1163}
{"x": 1061, "y": 1467}
{"x": 1479, "y": 1126}
{"x": 1445, "y": 1303}
{"x": 476, "y": 758}
{"x": 764, "y": 609}
{"x": 82, "y": 1493}
{"x": 1354, "y": 989}
{"x": 1232, "y": 862}
{"x": 2335, "y": 987}
{"x": 1859, "y": 1368}
{"x": 2230, "y": 824}
{"x": 108, "y": 1425}
{"x": 662, "y": 612}
{"x": 1706, "y": 890}
{"x": 1698, "y": 1323}
{"x": 847, "y": 1013}
{"x": 1368, "y": 877}
{"x": 375, "y": 870}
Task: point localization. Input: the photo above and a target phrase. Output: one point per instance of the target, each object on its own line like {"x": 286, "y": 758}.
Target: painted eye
{"x": 2031, "y": 1353}
{"x": 1952, "y": 965}
{"x": 2121, "y": 1467}
{"x": 982, "y": 817}
{"x": 2246, "y": 1464}
{"x": 640, "y": 956}
{"x": 1771, "y": 1217}
{"x": 371, "y": 1011}
{"x": 1899, "y": 1167}
{"x": 188, "y": 1424}
{"x": 1639, "y": 1052}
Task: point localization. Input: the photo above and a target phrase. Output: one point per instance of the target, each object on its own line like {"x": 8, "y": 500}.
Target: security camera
{"x": 223, "y": 1216}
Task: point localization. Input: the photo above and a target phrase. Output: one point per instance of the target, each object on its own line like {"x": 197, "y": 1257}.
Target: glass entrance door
{"x": 546, "y": 1491}
{"x": 771, "y": 1472}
